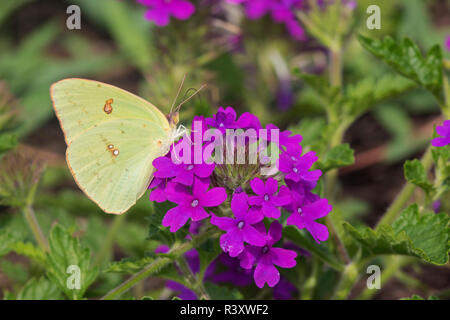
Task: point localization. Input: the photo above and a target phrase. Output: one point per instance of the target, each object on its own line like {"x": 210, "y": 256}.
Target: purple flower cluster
{"x": 444, "y": 132}
{"x": 160, "y": 11}
{"x": 281, "y": 11}
{"x": 200, "y": 190}
{"x": 447, "y": 43}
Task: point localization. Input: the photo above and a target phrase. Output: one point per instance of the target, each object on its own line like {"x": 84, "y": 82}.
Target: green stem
{"x": 109, "y": 241}
{"x": 195, "y": 284}
{"x": 157, "y": 265}
{"x": 33, "y": 223}
{"x": 395, "y": 209}
{"x": 336, "y": 67}
{"x": 311, "y": 282}
{"x": 348, "y": 279}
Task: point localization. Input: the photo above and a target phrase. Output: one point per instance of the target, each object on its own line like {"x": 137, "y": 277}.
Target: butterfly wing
{"x": 109, "y": 154}
{"x": 81, "y": 104}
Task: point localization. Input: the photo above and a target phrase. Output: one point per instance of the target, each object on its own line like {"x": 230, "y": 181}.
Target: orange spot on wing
{"x": 108, "y": 106}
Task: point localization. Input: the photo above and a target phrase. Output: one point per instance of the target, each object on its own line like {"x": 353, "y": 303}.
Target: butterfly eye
{"x": 110, "y": 146}
{"x": 115, "y": 152}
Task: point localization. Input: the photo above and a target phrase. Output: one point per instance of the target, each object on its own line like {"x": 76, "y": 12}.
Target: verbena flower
{"x": 240, "y": 228}
{"x": 266, "y": 196}
{"x": 160, "y": 11}
{"x": 223, "y": 119}
{"x": 258, "y": 192}
{"x": 281, "y": 11}
{"x": 444, "y": 132}
{"x": 447, "y": 43}
{"x": 305, "y": 212}
{"x": 297, "y": 168}
{"x": 191, "y": 203}
{"x": 266, "y": 257}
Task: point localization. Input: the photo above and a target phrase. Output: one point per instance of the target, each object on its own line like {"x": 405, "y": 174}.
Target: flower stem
{"x": 347, "y": 281}
{"x": 195, "y": 283}
{"x": 157, "y": 265}
{"x": 33, "y": 223}
{"x": 395, "y": 209}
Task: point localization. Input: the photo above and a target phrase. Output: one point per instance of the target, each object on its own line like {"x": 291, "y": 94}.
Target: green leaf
{"x": 320, "y": 85}
{"x": 128, "y": 265}
{"x": 39, "y": 289}
{"x": 339, "y": 156}
{"x": 423, "y": 236}
{"x": 305, "y": 241}
{"x": 406, "y": 58}
{"x": 6, "y": 240}
{"x": 415, "y": 173}
{"x": 222, "y": 293}
{"x": 30, "y": 251}
{"x": 368, "y": 92}
{"x": 66, "y": 251}
{"x": 7, "y": 142}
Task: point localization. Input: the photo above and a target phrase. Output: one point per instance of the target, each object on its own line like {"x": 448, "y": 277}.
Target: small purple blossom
{"x": 266, "y": 257}
{"x": 297, "y": 167}
{"x": 223, "y": 119}
{"x": 239, "y": 229}
{"x": 444, "y": 132}
{"x": 304, "y": 214}
{"x": 447, "y": 43}
{"x": 160, "y": 11}
{"x": 191, "y": 203}
{"x": 267, "y": 198}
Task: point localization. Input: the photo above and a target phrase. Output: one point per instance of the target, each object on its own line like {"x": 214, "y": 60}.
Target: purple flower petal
{"x": 283, "y": 258}
{"x": 175, "y": 218}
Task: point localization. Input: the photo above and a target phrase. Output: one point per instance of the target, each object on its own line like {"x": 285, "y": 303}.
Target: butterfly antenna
{"x": 178, "y": 93}
{"x": 190, "y": 97}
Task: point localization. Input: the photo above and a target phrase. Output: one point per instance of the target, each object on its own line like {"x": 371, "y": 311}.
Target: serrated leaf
{"x": 337, "y": 157}
{"x": 370, "y": 91}
{"x": 305, "y": 241}
{"x": 128, "y": 265}
{"x": 406, "y": 58}
{"x": 415, "y": 173}
{"x": 423, "y": 236}
{"x": 39, "y": 289}
{"x": 66, "y": 251}
{"x": 29, "y": 250}
{"x": 222, "y": 293}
